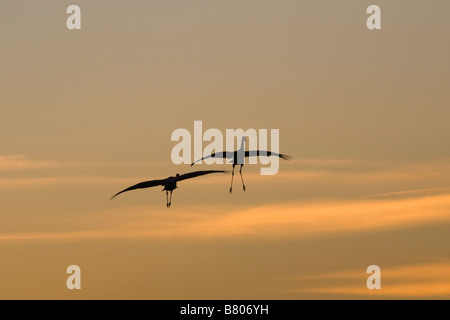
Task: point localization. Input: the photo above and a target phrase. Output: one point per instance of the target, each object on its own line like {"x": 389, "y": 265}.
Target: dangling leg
{"x": 232, "y": 177}
{"x": 242, "y": 179}
{"x": 167, "y": 199}
{"x": 170, "y": 201}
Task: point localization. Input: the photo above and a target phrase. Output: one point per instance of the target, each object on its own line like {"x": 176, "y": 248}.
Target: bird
{"x": 169, "y": 183}
{"x": 237, "y": 158}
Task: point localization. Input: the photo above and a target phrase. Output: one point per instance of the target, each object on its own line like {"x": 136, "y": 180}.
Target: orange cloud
{"x": 410, "y": 281}
{"x": 279, "y": 220}
{"x": 21, "y": 162}
{"x": 16, "y": 183}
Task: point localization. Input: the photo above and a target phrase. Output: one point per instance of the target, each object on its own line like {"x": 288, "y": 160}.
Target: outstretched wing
{"x": 219, "y": 155}
{"x": 264, "y": 153}
{"x": 142, "y": 185}
{"x": 198, "y": 173}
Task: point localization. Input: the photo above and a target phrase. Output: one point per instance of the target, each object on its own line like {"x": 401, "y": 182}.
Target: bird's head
{"x": 178, "y": 175}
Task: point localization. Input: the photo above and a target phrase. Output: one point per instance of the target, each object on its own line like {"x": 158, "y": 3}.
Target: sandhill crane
{"x": 169, "y": 184}
{"x": 237, "y": 158}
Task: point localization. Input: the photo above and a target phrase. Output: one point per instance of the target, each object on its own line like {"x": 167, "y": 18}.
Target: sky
{"x": 86, "y": 113}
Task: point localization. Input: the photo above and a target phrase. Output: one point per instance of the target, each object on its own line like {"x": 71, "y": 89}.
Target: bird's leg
{"x": 232, "y": 177}
{"x": 242, "y": 179}
{"x": 170, "y": 201}
{"x": 167, "y": 199}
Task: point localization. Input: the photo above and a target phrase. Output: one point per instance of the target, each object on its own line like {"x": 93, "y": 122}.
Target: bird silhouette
{"x": 169, "y": 183}
{"x": 237, "y": 158}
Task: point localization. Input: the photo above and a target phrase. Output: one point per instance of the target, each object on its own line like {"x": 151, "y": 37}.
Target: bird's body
{"x": 238, "y": 158}
{"x": 169, "y": 183}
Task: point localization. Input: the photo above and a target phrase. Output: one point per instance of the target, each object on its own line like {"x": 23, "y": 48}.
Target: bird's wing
{"x": 198, "y": 173}
{"x": 223, "y": 155}
{"x": 142, "y": 185}
{"x": 264, "y": 153}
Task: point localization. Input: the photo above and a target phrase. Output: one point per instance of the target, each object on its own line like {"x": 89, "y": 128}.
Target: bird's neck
{"x": 242, "y": 145}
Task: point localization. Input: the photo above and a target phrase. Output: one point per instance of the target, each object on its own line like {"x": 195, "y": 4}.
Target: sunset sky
{"x": 86, "y": 113}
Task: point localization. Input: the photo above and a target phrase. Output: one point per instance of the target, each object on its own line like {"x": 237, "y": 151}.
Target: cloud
{"x": 393, "y": 209}
{"x": 19, "y": 183}
{"x": 54, "y": 141}
{"x": 354, "y": 172}
{"x": 312, "y": 173}
{"x": 22, "y": 162}
{"x": 86, "y": 180}
{"x": 430, "y": 280}
{"x": 278, "y": 220}
{"x": 411, "y": 193}
{"x": 300, "y": 220}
